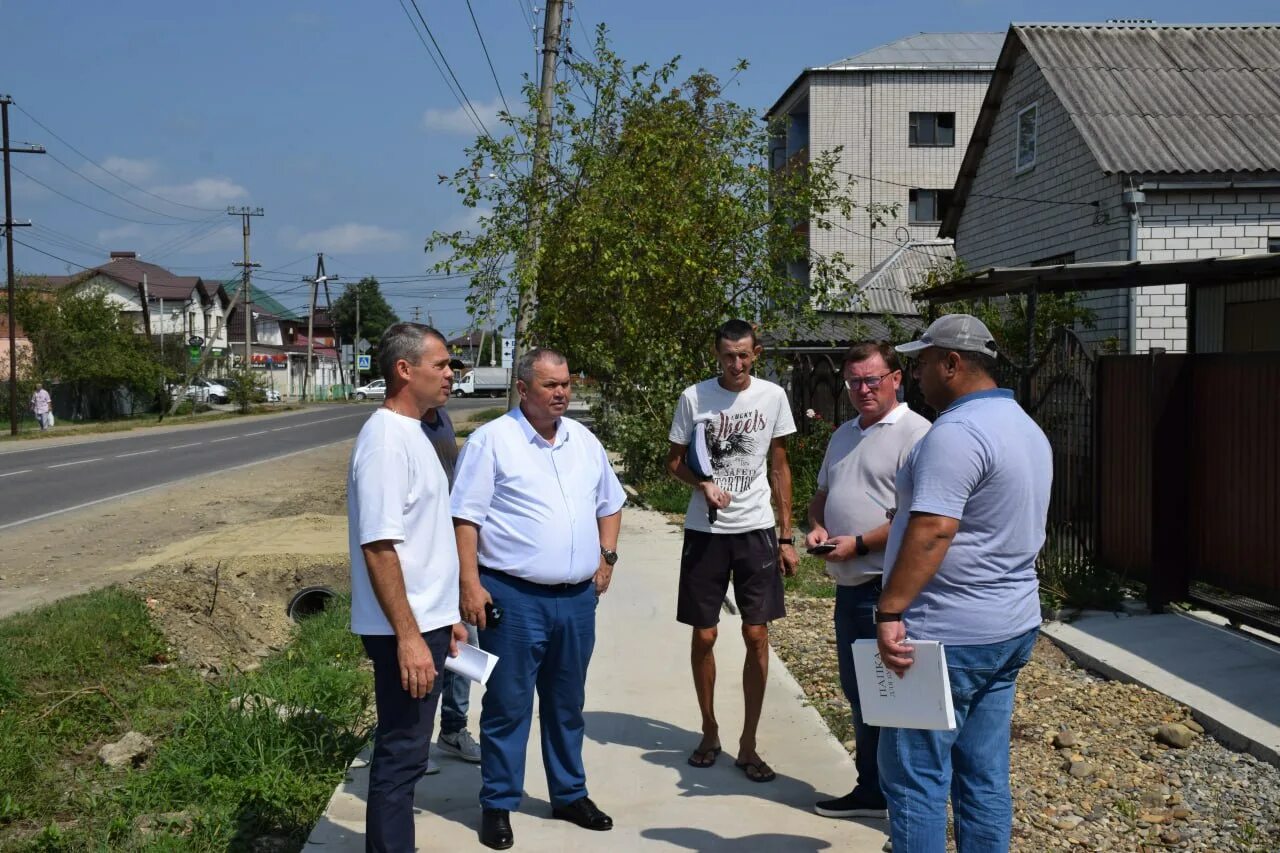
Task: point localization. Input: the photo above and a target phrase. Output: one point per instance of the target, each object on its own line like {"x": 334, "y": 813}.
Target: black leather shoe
{"x": 585, "y": 814}
{"x": 495, "y": 829}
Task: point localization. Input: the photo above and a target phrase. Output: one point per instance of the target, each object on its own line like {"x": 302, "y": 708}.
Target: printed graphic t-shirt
{"x": 741, "y": 426}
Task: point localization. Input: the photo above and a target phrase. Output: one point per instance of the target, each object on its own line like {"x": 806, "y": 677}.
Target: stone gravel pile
{"x": 1096, "y": 764}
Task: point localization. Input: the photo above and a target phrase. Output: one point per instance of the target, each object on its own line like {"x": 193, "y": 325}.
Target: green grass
{"x": 665, "y": 495}
{"x": 75, "y": 675}
{"x": 811, "y": 579}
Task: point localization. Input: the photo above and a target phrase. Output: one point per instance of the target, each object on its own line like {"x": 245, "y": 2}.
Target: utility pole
{"x": 9, "y": 225}
{"x": 245, "y": 214}
{"x": 355, "y": 345}
{"x": 528, "y": 303}
{"x": 328, "y": 307}
{"x": 320, "y": 278}
{"x": 417, "y": 313}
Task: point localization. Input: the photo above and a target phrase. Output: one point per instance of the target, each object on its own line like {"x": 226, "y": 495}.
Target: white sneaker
{"x": 432, "y": 768}
{"x": 461, "y": 744}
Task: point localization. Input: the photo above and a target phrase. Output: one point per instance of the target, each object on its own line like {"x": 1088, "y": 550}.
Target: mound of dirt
{"x": 226, "y": 615}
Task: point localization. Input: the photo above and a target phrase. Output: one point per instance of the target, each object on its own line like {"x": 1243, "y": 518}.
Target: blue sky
{"x": 331, "y": 117}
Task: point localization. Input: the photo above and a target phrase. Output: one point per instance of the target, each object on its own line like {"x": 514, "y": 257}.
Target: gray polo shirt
{"x": 857, "y": 474}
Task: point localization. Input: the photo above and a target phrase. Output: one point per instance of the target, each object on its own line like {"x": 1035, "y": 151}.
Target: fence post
{"x": 1169, "y": 580}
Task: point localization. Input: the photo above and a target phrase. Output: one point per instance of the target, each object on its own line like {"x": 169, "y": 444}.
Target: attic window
{"x": 1028, "y": 128}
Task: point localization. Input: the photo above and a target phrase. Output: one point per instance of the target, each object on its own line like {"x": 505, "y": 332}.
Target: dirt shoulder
{"x": 289, "y": 509}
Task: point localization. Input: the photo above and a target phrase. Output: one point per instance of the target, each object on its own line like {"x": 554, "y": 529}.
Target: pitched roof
{"x": 920, "y": 52}
{"x": 927, "y": 52}
{"x": 1153, "y": 99}
{"x": 264, "y": 303}
{"x": 889, "y": 286}
{"x": 125, "y": 268}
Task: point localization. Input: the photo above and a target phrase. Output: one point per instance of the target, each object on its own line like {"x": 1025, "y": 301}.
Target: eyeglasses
{"x": 872, "y": 382}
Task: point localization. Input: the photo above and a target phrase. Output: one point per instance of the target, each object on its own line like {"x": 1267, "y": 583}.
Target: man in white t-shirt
{"x": 849, "y": 513}
{"x": 729, "y": 527}
{"x": 404, "y": 572}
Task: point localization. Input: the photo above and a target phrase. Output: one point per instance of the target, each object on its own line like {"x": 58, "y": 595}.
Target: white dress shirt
{"x": 536, "y": 502}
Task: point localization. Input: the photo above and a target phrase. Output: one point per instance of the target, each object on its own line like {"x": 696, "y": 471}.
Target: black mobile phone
{"x": 824, "y": 548}
{"x": 492, "y": 614}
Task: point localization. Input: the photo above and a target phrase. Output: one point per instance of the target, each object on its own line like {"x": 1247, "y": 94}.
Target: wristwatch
{"x": 881, "y": 616}
{"x": 610, "y": 557}
{"x": 786, "y": 540}
{"x": 859, "y": 547}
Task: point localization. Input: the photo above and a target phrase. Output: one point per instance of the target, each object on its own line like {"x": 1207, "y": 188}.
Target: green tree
{"x": 81, "y": 340}
{"x": 661, "y": 221}
{"x": 376, "y": 314}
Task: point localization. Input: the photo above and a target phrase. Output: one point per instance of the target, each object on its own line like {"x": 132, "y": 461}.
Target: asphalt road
{"x": 38, "y": 481}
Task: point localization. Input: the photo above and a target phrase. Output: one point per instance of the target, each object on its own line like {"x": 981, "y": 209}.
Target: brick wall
{"x": 866, "y": 115}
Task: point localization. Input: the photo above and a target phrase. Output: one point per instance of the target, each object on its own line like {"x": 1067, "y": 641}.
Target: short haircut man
{"x": 847, "y": 513}
{"x": 536, "y": 511}
{"x": 960, "y": 568}
{"x": 729, "y": 527}
{"x": 404, "y": 573}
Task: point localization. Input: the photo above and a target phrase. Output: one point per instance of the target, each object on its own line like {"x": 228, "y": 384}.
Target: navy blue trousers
{"x": 855, "y": 620}
{"x": 544, "y": 644}
{"x": 401, "y": 742}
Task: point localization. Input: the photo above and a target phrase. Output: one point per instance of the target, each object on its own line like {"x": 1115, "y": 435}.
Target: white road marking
{"x": 16, "y": 473}
{"x": 180, "y": 446}
{"x": 278, "y": 429}
{"x": 259, "y": 432}
{"x": 77, "y": 462}
{"x": 137, "y": 453}
{"x": 228, "y": 438}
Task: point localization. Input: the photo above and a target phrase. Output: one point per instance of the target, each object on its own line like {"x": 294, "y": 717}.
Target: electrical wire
{"x": 49, "y": 131}
{"x": 487, "y": 59}
{"x": 972, "y": 194}
{"x": 89, "y": 206}
{"x": 465, "y": 102}
{"x": 111, "y": 192}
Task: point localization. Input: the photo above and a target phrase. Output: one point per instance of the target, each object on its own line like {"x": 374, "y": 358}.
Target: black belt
{"x": 485, "y": 570}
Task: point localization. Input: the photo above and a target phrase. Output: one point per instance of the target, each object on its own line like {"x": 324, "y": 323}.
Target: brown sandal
{"x": 756, "y": 771}
{"x": 704, "y": 757}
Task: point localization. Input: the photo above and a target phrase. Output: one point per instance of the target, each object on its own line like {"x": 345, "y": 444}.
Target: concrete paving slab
{"x": 642, "y": 722}
{"x": 1229, "y": 680}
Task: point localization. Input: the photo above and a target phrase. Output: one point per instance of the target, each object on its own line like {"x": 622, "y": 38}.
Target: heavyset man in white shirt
{"x": 536, "y": 511}
{"x": 404, "y": 573}
{"x": 848, "y": 510}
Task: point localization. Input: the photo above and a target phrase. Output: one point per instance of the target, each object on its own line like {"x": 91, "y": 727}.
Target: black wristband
{"x": 859, "y": 547}
{"x": 786, "y": 540}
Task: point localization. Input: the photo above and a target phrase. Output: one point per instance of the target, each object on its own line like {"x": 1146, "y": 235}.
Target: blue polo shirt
{"x": 987, "y": 464}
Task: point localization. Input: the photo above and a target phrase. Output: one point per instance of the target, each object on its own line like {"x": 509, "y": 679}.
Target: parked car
{"x": 203, "y": 391}
{"x": 375, "y": 390}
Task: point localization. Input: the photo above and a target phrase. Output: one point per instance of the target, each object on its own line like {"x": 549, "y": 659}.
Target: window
{"x": 931, "y": 130}
{"x": 1028, "y": 126}
{"x": 1273, "y": 245}
{"x": 928, "y": 205}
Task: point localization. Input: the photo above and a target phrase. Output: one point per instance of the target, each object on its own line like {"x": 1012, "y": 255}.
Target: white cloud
{"x": 131, "y": 170}
{"x": 457, "y": 121}
{"x": 352, "y": 237}
{"x": 203, "y": 192}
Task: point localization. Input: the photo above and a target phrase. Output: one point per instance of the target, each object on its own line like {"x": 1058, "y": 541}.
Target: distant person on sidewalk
{"x": 972, "y": 502}
{"x": 536, "y": 512}
{"x": 42, "y": 407}
{"x": 848, "y": 510}
{"x": 729, "y": 527}
{"x": 455, "y": 696}
{"x": 404, "y": 573}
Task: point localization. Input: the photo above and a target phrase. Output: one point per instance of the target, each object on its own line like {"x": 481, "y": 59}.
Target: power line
{"x": 125, "y": 199}
{"x": 487, "y": 59}
{"x": 108, "y": 171}
{"x": 465, "y": 102}
{"x": 972, "y": 194}
{"x": 89, "y": 206}
{"x": 70, "y": 238}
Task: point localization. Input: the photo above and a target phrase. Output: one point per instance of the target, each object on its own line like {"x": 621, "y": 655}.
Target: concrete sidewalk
{"x": 642, "y": 722}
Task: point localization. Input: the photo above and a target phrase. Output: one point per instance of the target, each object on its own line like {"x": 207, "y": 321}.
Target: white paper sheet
{"x": 472, "y": 663}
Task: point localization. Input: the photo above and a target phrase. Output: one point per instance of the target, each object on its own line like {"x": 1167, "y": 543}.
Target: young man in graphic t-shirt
{"x": 746, "y": 420}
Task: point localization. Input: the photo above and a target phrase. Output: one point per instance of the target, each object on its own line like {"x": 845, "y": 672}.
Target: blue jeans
{"x": 854, "y": 621}
{"x": 544, "y": 644}
{"x": 401, "y": 741}
{"x": 455, "y": 696}
{"x": 919, "y": 768}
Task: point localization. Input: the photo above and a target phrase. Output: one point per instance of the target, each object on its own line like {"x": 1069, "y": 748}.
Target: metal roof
{"x": 927, "y": 51}
{"x": 1167, "y": 99}
{"x": 1156, "y": 99}
{"x": 889, "y": 286}
{"x": 1104, "y": 275}
{"x": 837, "y": 330}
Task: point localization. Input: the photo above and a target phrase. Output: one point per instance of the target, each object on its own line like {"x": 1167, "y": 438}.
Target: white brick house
{"x": 1126, "y": 142}
{"x": 902, "y": 114}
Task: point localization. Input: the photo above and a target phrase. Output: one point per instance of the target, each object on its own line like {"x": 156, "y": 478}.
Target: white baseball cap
{"x": 956, "y": 333}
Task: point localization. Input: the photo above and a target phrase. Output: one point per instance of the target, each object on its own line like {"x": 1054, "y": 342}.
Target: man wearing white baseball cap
{"x": 972, "y": 501}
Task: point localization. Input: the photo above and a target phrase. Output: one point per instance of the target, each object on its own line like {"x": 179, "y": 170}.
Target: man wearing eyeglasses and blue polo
{"x": 848, "y": 511}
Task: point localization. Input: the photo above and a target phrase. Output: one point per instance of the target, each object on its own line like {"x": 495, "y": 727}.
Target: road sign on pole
{"x": 364, "y": 346}
{"x": 364, "y": 362}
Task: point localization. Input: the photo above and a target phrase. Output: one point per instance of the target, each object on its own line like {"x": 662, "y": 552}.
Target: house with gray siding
{"x": 901, "y": 115}
{"x": 1117, "y": 142}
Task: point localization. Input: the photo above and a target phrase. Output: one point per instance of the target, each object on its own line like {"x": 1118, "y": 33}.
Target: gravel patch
{"x": 1094, "y": 765}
